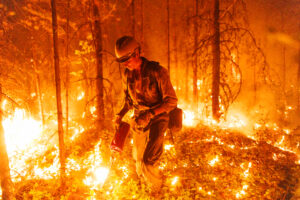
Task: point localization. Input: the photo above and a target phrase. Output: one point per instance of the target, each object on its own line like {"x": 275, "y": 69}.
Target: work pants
{"x": 147, "y": 149}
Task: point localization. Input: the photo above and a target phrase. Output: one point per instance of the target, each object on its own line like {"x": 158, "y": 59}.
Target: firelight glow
{"x": 175, "y": 180}
{"x": 214, "y": 161}
{"x": 188, "y": 118}
{"x": 20, "y": 130}
{"x": 80, "y": 96}
{"x": 98, "y": 177}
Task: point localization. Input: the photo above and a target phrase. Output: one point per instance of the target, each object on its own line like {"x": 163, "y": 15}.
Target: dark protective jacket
{"x": 152, "y": 91}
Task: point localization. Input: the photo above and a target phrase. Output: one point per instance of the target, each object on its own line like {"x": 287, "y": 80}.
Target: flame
{"x": 99, "y": 176}
{"x": 20, "y": 131}
{"x": 188, "y": 118}
{"x": 80, "y": 96}
{"x": 92, "y": 109}
{"x": 168, "y": 146}
{"x": 214, "y": 161}
{"x": 175, "y": 180}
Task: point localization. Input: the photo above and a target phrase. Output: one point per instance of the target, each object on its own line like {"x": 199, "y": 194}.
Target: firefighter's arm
{"x": 127, "y": 105}
{"x": 169, "y": 99}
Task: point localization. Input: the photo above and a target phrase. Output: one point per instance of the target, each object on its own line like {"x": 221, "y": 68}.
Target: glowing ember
{"x": 245, "y": 187}
{"x": 239, "y": 194}
{"x": 168, "y": 146}
{"x": 282, "y": 139}
{"x": 275, "y": 156}
{"x": 175, "y": 180}
{"x": 257, "y": 126}
{"x": 92, "y": 109}
{"x": 214, "y": 161}
{"x": 4, "y": 103}
{"x": 246, "y": 172}
{"x": 80, "y": 96}
{"x": 287, "y": 131}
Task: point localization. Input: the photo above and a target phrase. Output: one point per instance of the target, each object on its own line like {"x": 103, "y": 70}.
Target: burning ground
{"x": 207, "y": 161}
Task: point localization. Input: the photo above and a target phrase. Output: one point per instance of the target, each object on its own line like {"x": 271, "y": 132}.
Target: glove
{"x": 117, "y": 121}
{"x": 144, "y": 118}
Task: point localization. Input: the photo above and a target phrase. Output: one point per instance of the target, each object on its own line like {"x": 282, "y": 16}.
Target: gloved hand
{"x": 144, "y": 118}
{"x": 117, "y": 121}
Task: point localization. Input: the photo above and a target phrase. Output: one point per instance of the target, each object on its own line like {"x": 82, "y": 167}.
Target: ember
{"x": 235, "y": 69}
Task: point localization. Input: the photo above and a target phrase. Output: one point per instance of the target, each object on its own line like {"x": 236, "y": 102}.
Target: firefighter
{"x": 149, "y": 92}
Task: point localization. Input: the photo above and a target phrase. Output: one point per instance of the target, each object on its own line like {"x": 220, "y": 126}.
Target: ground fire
{"x": 227, "y": 72}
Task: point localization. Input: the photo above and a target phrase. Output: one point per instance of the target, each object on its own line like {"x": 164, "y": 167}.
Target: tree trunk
{"x": 176, "y": 63}
{"x": 168, "y": 33}
{"x": 132, "y": 18}
{"x": 39, "y": 94}
{"x": 67, "y": 70}
{"x": 298, "y": 80}
{"x": 6, "y": 183}
{"x": 195, "y": 64}
{"x": 97, "y": 36}
{"x": 254, "y": 85}
{"x": 58, "y": 95}
{"x": 216, "y": 62}
{"x": 142, "y": 23}
{"x": 187, "y": 88}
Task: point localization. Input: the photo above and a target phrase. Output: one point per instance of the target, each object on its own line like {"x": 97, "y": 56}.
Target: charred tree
{"x": 216, "y": 61}
{"x": 132, "y": 19}
{"x": 97, "y": 37}
{"x": 67, "y": 69}
{"x": 58, "y": 95}
{"x": 298, "y": 80}
{"x": 142, "y": 22}
{"x": 6, "y": 183}
{"x": 39, "y": 93}
{"x": 187, "y": 69}
{"x": 168, "y": 34}
{"x": 195, "y": 64}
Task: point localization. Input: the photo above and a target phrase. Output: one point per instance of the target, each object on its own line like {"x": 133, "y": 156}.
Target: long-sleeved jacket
{"x": 155, "y": 89}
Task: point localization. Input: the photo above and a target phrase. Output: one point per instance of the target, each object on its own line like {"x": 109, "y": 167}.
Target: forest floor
{"x": 202, "y": 163}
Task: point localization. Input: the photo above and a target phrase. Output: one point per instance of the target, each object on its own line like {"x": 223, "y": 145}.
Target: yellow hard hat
{"x": 125, "y": 47}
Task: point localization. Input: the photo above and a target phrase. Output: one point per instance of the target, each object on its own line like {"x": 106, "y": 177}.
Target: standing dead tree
{"x": 97, "y": 37}
{"x": 216, "y": 61}
{"x": 58, "y": 95}
{"x": 222, "y": 40}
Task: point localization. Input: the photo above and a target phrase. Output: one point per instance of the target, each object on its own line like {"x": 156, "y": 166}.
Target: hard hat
{"x": 125, "y": 48}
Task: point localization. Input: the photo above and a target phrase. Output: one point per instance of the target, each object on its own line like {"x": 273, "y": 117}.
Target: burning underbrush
{"x": 205, "y": 162}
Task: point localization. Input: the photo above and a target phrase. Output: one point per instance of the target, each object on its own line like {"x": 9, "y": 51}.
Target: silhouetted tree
{"x": 58, "y": 95}
{"x": 216, "y": 61}
{"x": 97, "y": 38}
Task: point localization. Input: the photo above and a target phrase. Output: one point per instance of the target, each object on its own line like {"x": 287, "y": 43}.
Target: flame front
{"x": 20, "y": 131}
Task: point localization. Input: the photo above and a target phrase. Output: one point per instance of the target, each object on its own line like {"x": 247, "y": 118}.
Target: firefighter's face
{"x": 133, "y": 62}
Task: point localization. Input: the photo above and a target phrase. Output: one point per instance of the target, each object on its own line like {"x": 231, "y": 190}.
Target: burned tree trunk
{"x": 97, "y": 36}
{"x": 168, "y": 33}
{"x": 132, "y": 18}
{"x": 67, "y": 70}
{"x": 195, "y": 64}
{"x": 6, "y": 183}
{"x": 39, "y": 94}
{"x": 58, "y": 94}
{"x": 216, "y": 61}
{"x": 187, "y": 79}
{"x": 298, "y": 81}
